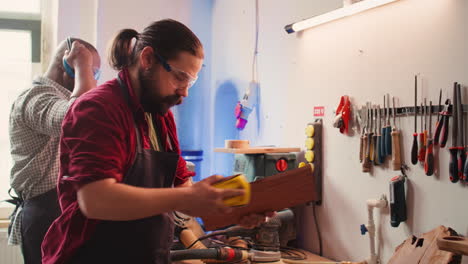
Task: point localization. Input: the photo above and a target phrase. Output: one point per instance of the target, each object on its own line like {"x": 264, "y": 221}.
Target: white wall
{"x": 113, "y": 16}
{"x": 77, "y": 19}
{"x": 62, "y": 19}
{"x": 364, "y": 56}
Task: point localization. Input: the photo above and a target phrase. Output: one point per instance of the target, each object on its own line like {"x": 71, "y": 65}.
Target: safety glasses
{"x": 182, "y": 78}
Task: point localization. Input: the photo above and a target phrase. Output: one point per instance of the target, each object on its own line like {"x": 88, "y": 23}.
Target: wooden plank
{"x": 273, "y": 193}
{"x": 256, "y": 150}
{"x": 426, "y": 251}
{"x": 309, "y": 257}
{"x": 314, "y": 257}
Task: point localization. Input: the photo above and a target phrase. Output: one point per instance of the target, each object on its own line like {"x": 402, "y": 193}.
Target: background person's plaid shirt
{"x": 35, "y": 123}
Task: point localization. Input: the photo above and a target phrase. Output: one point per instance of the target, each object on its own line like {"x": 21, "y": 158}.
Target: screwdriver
{"x": 375, "y": 139}
{"x": 453, "y": 166}
{"x": 422, "y": 145}
{"x": 465, "y": 169}
{"x": 364, "y": 148}
{"x": 366, "y": 165}
{"x": 363, "y": 136}
{"x": 383, "y": 151}
{"x": 371, "y": 136}
{"x": 414, "y": 148}
{"x": 425, "y": 126}
{"x": 380, "y": 155}
{"x": 438, "y": 127}
{"x": 429, "y": 162}
{"x": 388, "y": 130}
{"x": 396, "y": 158}
{"x": 461, "y": 140}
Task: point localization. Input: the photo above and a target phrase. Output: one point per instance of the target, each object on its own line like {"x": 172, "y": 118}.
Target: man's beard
{"x": 151, "y": 101}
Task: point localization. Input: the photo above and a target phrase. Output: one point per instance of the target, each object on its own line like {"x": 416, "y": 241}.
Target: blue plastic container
{"x": 196, "y": 157}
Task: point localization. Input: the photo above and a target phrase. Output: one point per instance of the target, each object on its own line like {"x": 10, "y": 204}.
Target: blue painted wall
{"x": 194, "y": 116}
{"x": 226, "y": 99}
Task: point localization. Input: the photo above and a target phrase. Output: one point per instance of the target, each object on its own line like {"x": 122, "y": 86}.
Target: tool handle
{"x": 461, "y": 161}
{"x": 388, "y": 141}
{"x": 444, "y": 132}
{"x": 414, "y": 149}
{"x": 425, "y": 138}
{"x": 453, "y": 166}
{"x": 465, "y": 169}
{"x": 362, "y": 148}
{"x": 383, "y": 151}
{"x": 437, "y": 133}
{"x": 372, "y": 147}
{"x": 396, "y": 157}
{"x": 422, "y": 149}
{"x": 429, "y": 161}
{"x": 366, "y": 161}
{"x": 378, "y": 150}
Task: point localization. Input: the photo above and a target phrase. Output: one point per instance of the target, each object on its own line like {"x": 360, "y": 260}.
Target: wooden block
{"x": 273, "y": 193}
{"x": 427, "y": 253}
{"x": 238, "y": 144}
{"x": 455, "y": 244}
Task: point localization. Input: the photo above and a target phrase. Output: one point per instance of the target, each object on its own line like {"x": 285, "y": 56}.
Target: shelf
{"x": 257, "y": 150}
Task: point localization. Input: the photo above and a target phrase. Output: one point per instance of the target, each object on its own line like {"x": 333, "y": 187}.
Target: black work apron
{"x": 140, "y": 241}
{"x": 37, "y": 214}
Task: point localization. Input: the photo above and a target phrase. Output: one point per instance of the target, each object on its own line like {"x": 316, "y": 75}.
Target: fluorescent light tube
{"x": 335, "y": 14}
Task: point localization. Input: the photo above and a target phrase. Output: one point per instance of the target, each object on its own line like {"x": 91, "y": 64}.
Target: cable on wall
{"x": 246, "y": 106}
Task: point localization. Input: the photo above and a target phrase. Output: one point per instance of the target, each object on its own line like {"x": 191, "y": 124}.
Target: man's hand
{"x": 205, "y": 199}
{"x": 79, "y": 57}
{"x": 254, "y": 220}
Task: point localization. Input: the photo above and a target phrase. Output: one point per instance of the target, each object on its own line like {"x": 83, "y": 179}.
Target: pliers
{"x": 443, "y": 125}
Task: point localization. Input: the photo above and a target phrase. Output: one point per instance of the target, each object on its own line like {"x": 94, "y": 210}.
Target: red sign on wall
{"x": 319, "y": 110}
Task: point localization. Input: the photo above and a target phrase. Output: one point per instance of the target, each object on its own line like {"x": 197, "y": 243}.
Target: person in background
{"x": 35, "y": 126}
{"x": 120, "y": 156}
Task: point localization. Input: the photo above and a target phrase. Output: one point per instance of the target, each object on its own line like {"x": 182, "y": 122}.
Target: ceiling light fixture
{"x": 335, "y": 14}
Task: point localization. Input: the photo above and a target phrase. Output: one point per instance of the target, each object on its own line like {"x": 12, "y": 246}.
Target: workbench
{"x": 310, "y": 257}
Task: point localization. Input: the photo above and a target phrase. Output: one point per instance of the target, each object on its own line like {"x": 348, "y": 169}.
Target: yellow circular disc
{"x": 310, "y": 130}
{"x": 302, "y": 164}
{"x": 309, "y": 156}
{"x": 310, "y": 143}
